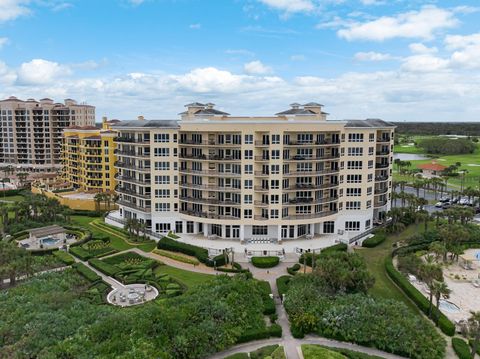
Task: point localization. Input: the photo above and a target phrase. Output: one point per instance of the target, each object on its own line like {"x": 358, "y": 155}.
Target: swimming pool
{"x": 49, "y": 241}
{"x": 449, "y": 307}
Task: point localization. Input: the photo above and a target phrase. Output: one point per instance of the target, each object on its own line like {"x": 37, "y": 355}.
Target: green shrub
{"x": 104, "y": 267}
{"x": 307, "y": 258}
{"x": 263, "y": 352}
{"x": 318, "y": 352}
{"x": 461, "y": 348}
{"x": 374, "y": 241}
{"x": 293, "y": 269}
{"x": 81, "y": 253}
{"x": 217, "y": 261}
{"x": 265, "y": 262}
{"x": 238, "y": 356}
{"x": 340, "y": 247}
{"x": 255, "y": 334}
{"x": 174, "y": 246}
{"x": 89, "y": 274}
{"x": 125, "y": 258}
{"x": 64, "y": 257}
{"x": 418, "y": 298}
{"x": 282, "y": 284}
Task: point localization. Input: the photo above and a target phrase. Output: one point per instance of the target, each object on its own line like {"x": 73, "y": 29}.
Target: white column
{"x": 295, "y": 231}
{"x": 279, "y": 233}
{"x": 205, "y": 229}
{"x": 312, "y": 229}
{"x": 242, "y": 233}
{"x": 195, "y": 227}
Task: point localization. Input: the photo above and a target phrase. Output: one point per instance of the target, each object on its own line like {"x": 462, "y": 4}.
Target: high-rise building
{"x": 88, "y": 157}
{"x": 31, "y": 131}
{"x": 288, "y": 176}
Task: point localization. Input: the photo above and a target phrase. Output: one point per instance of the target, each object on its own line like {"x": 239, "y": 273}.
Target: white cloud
{"x": 12, "y": 9}
{"x": 372, "y": 56}
{"x": 3, "y": 41}
{"x": 372, "y": 2}
{"x": 195, "y": 26}
{"x": 290, "y": 6}
{"x": 424, "y": 63}
{"x": 466, "y": 50}
{"x": 423, "y": 24}
{"x": 39, "y": 71}
{"x": 241, "y": 52}
{"x": 136, "y": 2}
{"x": 419, "y": 48}
{"x": 256, "y": 68}
{"x": 7, "y": 76}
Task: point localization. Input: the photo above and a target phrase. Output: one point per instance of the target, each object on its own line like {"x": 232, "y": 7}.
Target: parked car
{"x": 446, "y": 205}
{"x": 439, "y": 204}
{"x": 477, "y": 210}
{"x": 444, "y": 199}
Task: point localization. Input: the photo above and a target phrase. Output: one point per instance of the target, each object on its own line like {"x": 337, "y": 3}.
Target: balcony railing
{"x": 209, "y": 187}
{"x": 382, "y": 165}
{"x": 119, "y": 164}
{"x": 380, "y": 203}
{"x": 210, "y": 201}
{"x": 145, "y": 208}
{"x": 210, "y": 158}
{"x": 131, "y": 192}
{"x": 208, "y": 215}
{"x": 299, "y": 216}
{"x": 379, "y": 191}
{"x": 133, "y": 180}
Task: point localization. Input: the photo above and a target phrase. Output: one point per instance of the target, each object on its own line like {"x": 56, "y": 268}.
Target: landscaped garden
{"x": 64, "y": 320}
{"x": 311, "y": 351}
{"x": 267, "y": 352}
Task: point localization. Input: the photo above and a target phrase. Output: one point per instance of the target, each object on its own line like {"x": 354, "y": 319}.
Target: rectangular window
{"x": 162, "y": 152}
{"x": 162, "y": 207}
{"x": 248, "y": 199}
{"x": 248, "y": 184}
{"x": 354, "y": 178}
{"x": 162, "y": 193}
{"x": 353, "y": 205}
{"x": 352, "y": 225}
{"x": 354, "y": 192}
{"x": 355, "y": 137}
{"x": 248, "y": 169}
{"x": 355, "y": 151}
{"x": 259, "y": 230}
{"x": 247, "y": 213}
{"x": 161, "y": 137}
{"x": 162, "y": 166}
{"x": 248, "y": 139}
{"x": 162, "y": 179}
{"x": 354, "y": 165}
{"x": 275, "y": 139}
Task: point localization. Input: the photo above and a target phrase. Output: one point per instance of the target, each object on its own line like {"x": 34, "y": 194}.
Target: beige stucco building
{"x": 31, "y": 131}
{"x": 255, "y": 179}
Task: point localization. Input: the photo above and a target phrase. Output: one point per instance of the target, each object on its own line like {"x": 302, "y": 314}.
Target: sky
{"x": 397, "y": 60}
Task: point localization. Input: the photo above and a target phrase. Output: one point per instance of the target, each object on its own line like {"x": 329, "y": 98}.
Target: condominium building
{"x": 88, "y": 157}
{"x": 276, "y": 178}
{"x": 31, "y": 131}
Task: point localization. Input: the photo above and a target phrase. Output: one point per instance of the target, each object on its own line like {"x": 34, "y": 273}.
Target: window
{"x": 162, "y": 227}
{"x": 368, "y": 224}
{"x": 275, "y": 139}
{"x": 274, "y": 213}
{"x": 162, "y": 207}
{"x": 248, "y": 184}
{"x": 248, "y": 154}
{"x": 370, "y": 164}
{"x": 370, "y": 177}
{"x": 259, "y": 230}
{"x": 371, "y": 137}
{"x": 328, "y": 227}
{"x": 354, "y": 165}
{"x": 275, "y": 184}
{"x": 162, "y": 179}
{"x": 371, "y": 151}
{"x": 162, "y": 152}
{"x": 369, "y": 204}
{"x": 161, "y": 137}
{"x": 354, "y": 178}
{"x": 248, "y": 199}
{"x": 162, "y": 166}
{"x": 369, "y": 191}
{"x": 162, "y": 193}
{"x": 355, "y": 151}
{"x": 275, "y": 169}
{"x": 274, "y": 198}
{"x": 248, "y": 169}
{"x": 248, "y": 139}
{"x": 352, "y": 225}
{"x": 247, "y": 213}
{"x": 355, "y": 137}
{"x": 275, "y": 154}
{"x": 354, "y": 192}
{"x": 352, "y": 205}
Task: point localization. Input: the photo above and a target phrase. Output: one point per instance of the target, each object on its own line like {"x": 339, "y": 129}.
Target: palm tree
{"x": 98, "y": 198}
{"x": 474, "y": 331}
{"x": 429, "y": 273}
{"x": 417, "y": 184}
{"x": 439, "y": 250}
{"x": 440, "y": 290}
{"x": 22, "y": 177}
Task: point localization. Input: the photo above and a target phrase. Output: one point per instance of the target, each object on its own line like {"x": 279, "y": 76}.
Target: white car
{"x": 439, "y": 204}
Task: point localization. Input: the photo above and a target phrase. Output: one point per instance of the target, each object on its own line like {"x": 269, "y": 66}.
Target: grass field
{"x": 190, "y": 279}
{"x": 375, "y": 259}
{"x": 17, "y": 198}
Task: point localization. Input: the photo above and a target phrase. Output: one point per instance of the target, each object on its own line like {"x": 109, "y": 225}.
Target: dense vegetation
{"x": 447, "y": 146}
{"x": 318, "y": 352}
{"x": 438, "y": 128}
{"x": 332, "y": 302}
{"x": 50, "y": 316}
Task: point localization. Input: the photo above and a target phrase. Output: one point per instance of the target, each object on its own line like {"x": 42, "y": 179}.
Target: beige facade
{"x": 256, "y": 179}
{"x": 31, "y": 131}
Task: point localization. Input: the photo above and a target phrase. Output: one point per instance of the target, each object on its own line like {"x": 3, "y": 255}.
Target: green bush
{"x": 238, "y": 356}
{"x": 340, "y": 247}
{"x": 418, "y": 298}
{"x": 89, "y": 274}
{"x": 265, "y": 262}
{"x": 274, "y": 330}
{"x": 293, "y": 269}
{"x": 218, "y": 261}
{"x": 374, "y": 241}
{"x": 461, "y": 348}
{"x": 318, "y": 352}
{"x": 282, "y": 284}
{"x": 64, "y": 257}
{"x": 81, "y": 253}
{"x": 104, "y": 267}
{"x": 174, "y": 246}
{"x": 307, "y": 258}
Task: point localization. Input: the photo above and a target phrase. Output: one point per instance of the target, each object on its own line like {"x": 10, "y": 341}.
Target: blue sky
{"x": 396, "y": 60}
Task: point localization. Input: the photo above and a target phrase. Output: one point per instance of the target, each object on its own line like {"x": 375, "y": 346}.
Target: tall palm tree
{"x": 474, "y": 331}
{"x": 429, "y": 274}
{"x": 440, "y": 290}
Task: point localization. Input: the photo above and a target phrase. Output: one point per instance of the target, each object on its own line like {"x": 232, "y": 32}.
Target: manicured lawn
{"x": 404, "y": 148}
{"x": 190, "y": 279}
{"x": 375, "y": 258}
{"x": 17, "y": 198}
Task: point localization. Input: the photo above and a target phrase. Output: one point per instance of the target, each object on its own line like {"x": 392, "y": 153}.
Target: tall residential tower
{"x": 288, "y": 176}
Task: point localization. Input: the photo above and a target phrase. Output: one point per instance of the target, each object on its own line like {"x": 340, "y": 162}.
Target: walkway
{"x": 115, "y": 284}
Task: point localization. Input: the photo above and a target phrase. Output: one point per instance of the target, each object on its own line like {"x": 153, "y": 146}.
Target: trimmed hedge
{"x": 265, "y": 262}
{"x": 89, "y": 274}
{"x": 340, "y": 247}
{"x": 176, "y": 257}
{"x": 445, "y": 325}
{"x": 64, "y": 257}
{"x": 274, "y": 330}
{"x": 174, "y": 246}
{"x": 293, "y": 269}
{"x": 377, "y": 239}
{"x": 282, "y": 284}
{"x": 461, "y": 348}
{"x": 103, "y": 267}
{"x": 238, "y": 356}
{"x": 81, "y": 253}
{"x": 237, "y": 268}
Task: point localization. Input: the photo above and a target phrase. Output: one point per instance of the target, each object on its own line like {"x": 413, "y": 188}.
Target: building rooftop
{"x": 432, "y": 166}
{"x": 369, "y": 123}
{"x": 46, "y": 231}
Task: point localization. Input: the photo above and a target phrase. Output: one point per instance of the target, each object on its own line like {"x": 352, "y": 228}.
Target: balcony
{"x": 381, "y": 178}
{"x": 302, "y": 186}
{"x": 383, "y": 153}
{"x": 380, "y": 203}
{"x": 146, "y": 208}
{"x": 299, "y": 216}
{"x": 307, "y": 201}
{"x": 209, "y": 143}
{"x": 209, "y": 201}
{"x": 130, "y": 192}
{"x": 119, "y": 164}
{"x": 213, "y": 187}
{"x": 133, "y": 180}
{"x": 210, "y": 158}
{"x": 131, "y": 154}
{"x": 310, "y": 173}
{"x": 213, "y": 173}
{"x": 312, "y": 158}
{"x": 207, "y": 215}
{"x": 379, "y": 191}
{"x": 382, "y": 165}
{"x": 383, "y": 139}
{"x": 133, "y": 140}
